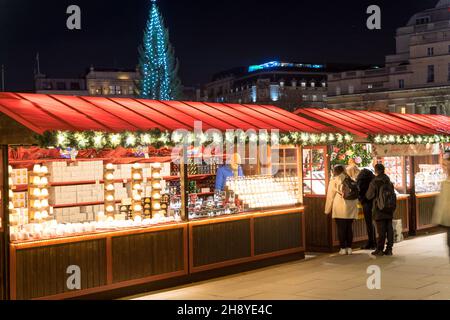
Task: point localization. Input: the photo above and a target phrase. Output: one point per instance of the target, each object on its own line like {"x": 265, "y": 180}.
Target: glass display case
{"x": 429, "y": 178}
{"x": 314, "y": 170}
{"x": 395, "y": 169}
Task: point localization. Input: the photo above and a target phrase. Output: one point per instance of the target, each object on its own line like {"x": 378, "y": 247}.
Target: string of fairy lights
{"x": 156, "y": 138}
{"x": 159, "y": 139}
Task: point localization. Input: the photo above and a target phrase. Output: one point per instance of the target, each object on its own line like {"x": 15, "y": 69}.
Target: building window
{"x": 430, "y": 51}
{"x": 403, "y": 110}
{"x": 274, "y": 92}
{"x": 324, "y": 84}
{"x": 303, "y": 84}
{"x": 304, "y": 97}
{"x": 433, "y": 110}
{"x": 338, "y": 91}
{"x": 369, "y": 86}
{"x": 351, "y": 89}
{"x": 61, "y": 86}
{"x": 324, "y": 97}
{"x": 401, "y": 83}
{"x": 253, "y": 94}
{"x": 315, "y": 166}
{"x": 47, "y": 86}
{"x": 98, "y": 91}
{"x": 75, "y": 86}
{"x": 313, "y": 84}
{"x": 423, "y": 20}
{"x": 430, "y": 77}
{"x": 314, "y": 97}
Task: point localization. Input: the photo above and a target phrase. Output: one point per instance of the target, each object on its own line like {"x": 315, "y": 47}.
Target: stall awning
{"x": 42, "y": 112}
{"x": 365, "y": 123}
{"x": 439, "y": 123}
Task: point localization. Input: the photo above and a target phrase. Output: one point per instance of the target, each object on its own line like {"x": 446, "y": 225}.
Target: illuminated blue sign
{"x": 278, "y": 64}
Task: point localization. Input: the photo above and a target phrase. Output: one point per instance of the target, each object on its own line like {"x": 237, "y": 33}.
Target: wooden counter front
{"x": 119, "y": 259}
{"x": 321, "y": 230}
{"x": 107, "y": 261}
{"x": 424, "y": 210}
{"x": 227, "y": 241}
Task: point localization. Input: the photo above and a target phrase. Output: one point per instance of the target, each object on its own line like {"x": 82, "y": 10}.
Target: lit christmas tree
{"x": 158, "y": 66}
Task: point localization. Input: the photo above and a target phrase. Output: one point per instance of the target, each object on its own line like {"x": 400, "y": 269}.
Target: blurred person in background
{"x": 441, "y": 214}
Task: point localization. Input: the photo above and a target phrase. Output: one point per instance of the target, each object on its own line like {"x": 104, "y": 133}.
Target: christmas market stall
{"x": 410, "y": 151}
{"x": 113, "y": 195}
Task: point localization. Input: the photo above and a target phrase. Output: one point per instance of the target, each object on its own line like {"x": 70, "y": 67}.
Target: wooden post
{"x": 4, "y": 229}
{"x": 412, "y": 193}
{"x": 184, "y": 183}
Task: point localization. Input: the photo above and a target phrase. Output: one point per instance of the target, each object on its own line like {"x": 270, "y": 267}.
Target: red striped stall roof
{"x": 438, "y": 122}
{"x": 42, "y": 112}
{"x": 364, "y": 123}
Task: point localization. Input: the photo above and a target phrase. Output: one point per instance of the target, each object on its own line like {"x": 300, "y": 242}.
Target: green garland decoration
{"x": 360, "y": 153}
{"x": 158, "y": 139}
{"x": 408, "y": 139}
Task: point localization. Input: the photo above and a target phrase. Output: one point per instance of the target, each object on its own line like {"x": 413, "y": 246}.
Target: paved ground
{"x": 419, "y": 269}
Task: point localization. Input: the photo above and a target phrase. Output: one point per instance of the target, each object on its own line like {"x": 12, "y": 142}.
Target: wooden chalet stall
{"x": 374, "y": 130}
{"x": 111, "y": 208}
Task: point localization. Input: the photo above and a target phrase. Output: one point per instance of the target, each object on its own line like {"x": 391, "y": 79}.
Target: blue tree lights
{"x": 158, "y": 67}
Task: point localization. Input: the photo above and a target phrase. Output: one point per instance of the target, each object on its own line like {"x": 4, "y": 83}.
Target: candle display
{"x": 109, "y": 190}
{"x": 156, "y": 191}
{"x": 136, "y": 182}
{"x": 38, "y": 204}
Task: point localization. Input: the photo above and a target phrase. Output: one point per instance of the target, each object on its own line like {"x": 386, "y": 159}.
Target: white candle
{"x": 157, "y": 165}
{"x": 136, "y": 166}
{"x": 137, "y": 176}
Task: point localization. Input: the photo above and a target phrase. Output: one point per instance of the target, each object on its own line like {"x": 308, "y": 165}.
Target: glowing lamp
{"x": 109, "y": 166}
{"x": 110, "y": 187}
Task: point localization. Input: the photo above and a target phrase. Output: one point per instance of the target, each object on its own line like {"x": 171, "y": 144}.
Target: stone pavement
{"x": 419, "y": 269}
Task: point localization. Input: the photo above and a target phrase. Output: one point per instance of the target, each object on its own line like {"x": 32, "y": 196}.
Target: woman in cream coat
{"x": 441, "y": 214}
{"x": 344, "y": 211}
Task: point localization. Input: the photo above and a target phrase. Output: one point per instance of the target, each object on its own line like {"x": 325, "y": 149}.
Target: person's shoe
{"x": 349, "y": 251}
{"x": 368, "y": 247}
{"x": 388, "y": 252}
{"x": 342, "y": 252}
{"x": 377, "y": 253}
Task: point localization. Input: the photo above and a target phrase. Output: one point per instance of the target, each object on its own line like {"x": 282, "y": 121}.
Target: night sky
{"x": 208, "y": 35}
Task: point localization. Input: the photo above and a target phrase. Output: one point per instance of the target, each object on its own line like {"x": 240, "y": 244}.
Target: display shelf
{"x": 81, "y": 204}
{"x": 24, "y": 187}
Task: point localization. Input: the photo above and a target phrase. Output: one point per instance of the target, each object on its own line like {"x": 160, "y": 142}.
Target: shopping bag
{"x": 360, "y": 211}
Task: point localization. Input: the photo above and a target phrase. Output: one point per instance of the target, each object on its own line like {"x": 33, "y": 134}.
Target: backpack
{"x": 386, "y": 200}
{"x": 350, "y": 189}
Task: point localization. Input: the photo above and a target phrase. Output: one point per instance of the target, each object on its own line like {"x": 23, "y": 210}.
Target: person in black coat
{"x": 383, "y": 218}
{"x": 363, "y": 181}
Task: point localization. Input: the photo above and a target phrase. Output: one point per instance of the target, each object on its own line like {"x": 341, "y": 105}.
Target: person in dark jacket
{"x": 363, "y": 181}
{"x": 384, "y": 218}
